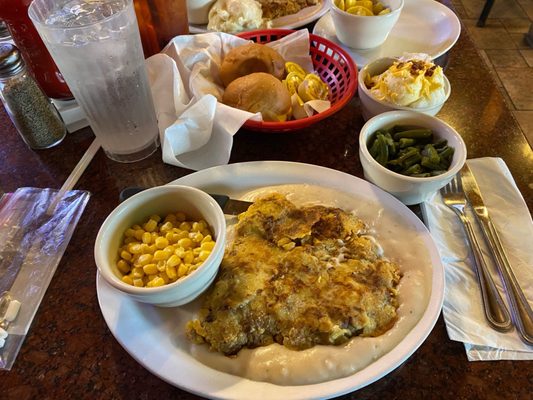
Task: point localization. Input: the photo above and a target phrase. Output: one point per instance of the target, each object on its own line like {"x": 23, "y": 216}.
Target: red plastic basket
{"x": 330, "y": 61}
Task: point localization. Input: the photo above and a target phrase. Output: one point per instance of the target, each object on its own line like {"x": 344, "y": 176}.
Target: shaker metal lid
{"x": 4, "y": 32}
{"x": 11, "y": 62}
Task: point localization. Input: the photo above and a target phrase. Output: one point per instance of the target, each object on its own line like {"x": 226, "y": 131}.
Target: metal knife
{"x": 520, "y": 308}
{"x": 229, "y": 206}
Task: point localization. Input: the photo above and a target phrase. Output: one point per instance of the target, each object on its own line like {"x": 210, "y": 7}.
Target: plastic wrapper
{"x": 462, "y": 309}
{"x": 33, "y": 238}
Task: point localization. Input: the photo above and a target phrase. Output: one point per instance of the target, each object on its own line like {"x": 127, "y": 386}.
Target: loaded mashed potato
{"x": 411, "y": 81}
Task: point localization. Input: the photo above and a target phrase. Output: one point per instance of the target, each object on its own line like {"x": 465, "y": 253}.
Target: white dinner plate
{"x": 155, "y": 336}
{"x": 424, "y": 26}
{"x": 293, "y": 21}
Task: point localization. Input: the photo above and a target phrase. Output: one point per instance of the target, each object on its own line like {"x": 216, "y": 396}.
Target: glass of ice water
{"x": 97, "y": 47}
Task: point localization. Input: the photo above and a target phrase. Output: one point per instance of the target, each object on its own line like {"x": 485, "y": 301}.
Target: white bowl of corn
{"x": 162, "y": 246}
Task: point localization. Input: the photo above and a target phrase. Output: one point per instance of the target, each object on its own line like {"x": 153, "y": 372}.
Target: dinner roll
{"x": 250, "y": 58}
{"x": 259, "y": 92}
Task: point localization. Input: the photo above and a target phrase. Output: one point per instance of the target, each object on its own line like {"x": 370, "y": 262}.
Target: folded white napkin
{"x": 196, "y": 130}
{"x": 462, "y": 310}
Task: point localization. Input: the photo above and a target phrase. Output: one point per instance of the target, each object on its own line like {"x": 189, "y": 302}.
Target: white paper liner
{"x": 196, "y": 129}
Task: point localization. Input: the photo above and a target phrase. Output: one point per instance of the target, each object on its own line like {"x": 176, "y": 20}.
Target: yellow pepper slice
{"x": 293, "y": 81}
{"x": 293, "y": 68}
{"x": 313, "y": 88}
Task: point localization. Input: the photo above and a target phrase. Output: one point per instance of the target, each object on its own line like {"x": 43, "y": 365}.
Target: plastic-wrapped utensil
{"x": 32, "y": 242}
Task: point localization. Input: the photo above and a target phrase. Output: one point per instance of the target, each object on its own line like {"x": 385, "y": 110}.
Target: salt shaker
{"x": 32, "y": 113}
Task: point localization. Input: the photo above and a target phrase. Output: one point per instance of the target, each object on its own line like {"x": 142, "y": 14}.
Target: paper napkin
{"x": 196, "y": 130}
{"x": 462, "y": 309}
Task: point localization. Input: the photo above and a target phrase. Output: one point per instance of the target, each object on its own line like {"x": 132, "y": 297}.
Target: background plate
{"x": 424, "y": 26}
{"x": 301, "y": 18}
{"x": 155, "y": 336}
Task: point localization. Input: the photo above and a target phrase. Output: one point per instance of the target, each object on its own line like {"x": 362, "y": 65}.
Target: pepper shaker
{"x": 33, "y": 114}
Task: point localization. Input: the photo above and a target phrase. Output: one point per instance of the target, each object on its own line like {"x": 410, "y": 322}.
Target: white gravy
{"x": 282, "y": 366}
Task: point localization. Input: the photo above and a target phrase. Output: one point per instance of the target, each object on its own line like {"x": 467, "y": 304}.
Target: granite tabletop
{"x": 70, "y": 353}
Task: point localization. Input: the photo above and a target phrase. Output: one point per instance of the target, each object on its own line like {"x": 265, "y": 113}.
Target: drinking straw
{"x": 74, "y": 175}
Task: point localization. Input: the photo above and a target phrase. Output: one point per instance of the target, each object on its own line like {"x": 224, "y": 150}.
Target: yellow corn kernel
{"x": 196, "y": 227}
{"x": 171, "y": 218}
{"x": 150, "y": 269}
{"x": 129, "y": 233}
{"x": 150, "y": 226}
{"x": 151, "y": 277}
{"x": 127, "y": 279}
{"x": 161, "y": 242}
{"x": 196, "y": 237}
{"x": 137, "y": 272}
{"x": 171, "y": 272}
{"x": 148, "y": 249}
{"x": 193, "y": 267}
{"x": 126, "y": 255}
{"x": 158, "y": 282}
{"x": 172, "y": 237}
{"x": 146, "y": 237}
{"x": 188, "y": 257}
{"x": 196, "y": 251}
{"x": 170, "y": 249}
{"x": 136, "y": 227}
{"x": 155, "y": 217}
{"x": 138, "y": 282}
{"x": 207, "y": 238}
{"x": 207, "y": 246}
{"x": 182, "y": 270}
{"x": 135, "y": 248}
{"x": 181, "y": 216}
{"x": 182, "y": 234}
{"x": 160, "y": 255}
{"x": 204, "y": 254}
{"x": 163, "y": 275}
{"x": 139, "y": 234}
{"x": 186, "y": 243}
{"x": 161, "y": 265}
{"x": 145, "y": 259}
{"x": 166, "y": 227}
{"x": 173, "y": 260}
{"x": 123, "y": 266}
{"x": 185, "y": 226}
{"x": 180, "y": 252}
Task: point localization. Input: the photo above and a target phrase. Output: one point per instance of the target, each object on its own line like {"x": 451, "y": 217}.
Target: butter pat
{"x": 12, "y": 310}
{"x": 3, "y": 336}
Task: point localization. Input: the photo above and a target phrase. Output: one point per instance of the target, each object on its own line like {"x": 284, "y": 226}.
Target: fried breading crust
{"x": 279, "y": 8}
{"x": 298, "y": 277}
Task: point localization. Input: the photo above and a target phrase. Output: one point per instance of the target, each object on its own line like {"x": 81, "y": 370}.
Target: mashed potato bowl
{"x": 365, "y": 32}
{"x": 371, "y": 106}
{"x": 409, "y": 190}
{"x": 162, "y": 200}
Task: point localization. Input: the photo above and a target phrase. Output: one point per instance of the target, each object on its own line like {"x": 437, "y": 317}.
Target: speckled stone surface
{"x": 69, "y": 352}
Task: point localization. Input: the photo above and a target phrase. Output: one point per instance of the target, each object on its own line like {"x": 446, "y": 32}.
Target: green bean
{"x": 414, "y": 134}
{"x": 406, "y": 142}
{"x": 413, "y": 169}
{"x": 383, "y": 150}
{"x": 408, "y": 150}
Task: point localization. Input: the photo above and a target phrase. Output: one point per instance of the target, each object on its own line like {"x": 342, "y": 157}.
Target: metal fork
{"x": 495, "y": 310}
